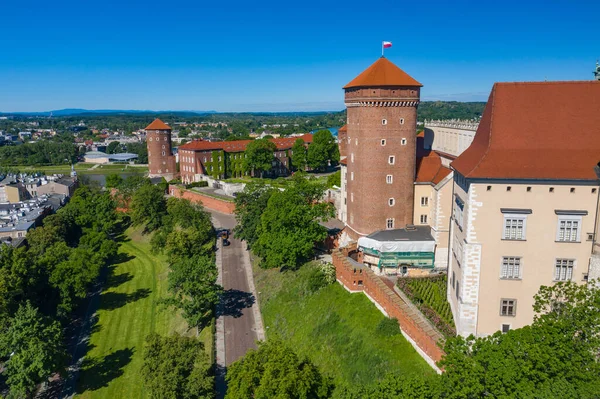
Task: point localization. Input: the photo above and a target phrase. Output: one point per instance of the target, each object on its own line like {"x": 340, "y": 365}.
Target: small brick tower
{"x": 381, "y": 142}
{"x": 161, "y": 162}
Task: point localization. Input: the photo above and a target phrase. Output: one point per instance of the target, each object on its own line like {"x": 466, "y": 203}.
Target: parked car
{"x": 226, "y": 242}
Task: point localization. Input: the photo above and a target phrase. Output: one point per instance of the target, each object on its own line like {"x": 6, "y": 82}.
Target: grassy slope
{"x": 128, "y": 313}
{"x": 334, "y": 328}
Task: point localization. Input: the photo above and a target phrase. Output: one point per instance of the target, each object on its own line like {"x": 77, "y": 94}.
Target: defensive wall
{"x": 356, "y": 278}
{"x": 207, "y": 201}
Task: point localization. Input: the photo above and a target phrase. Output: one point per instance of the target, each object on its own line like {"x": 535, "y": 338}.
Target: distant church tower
{"x": 381, "y": 143}
{"x": 161, "y": 162}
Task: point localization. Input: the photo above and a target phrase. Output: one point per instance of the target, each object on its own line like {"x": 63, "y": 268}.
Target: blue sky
{"x": 278, "y": 56}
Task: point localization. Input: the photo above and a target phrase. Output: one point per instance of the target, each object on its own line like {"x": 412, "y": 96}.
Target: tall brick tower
{"x": 381, "y": 142}
{"x": 161, "y": 162}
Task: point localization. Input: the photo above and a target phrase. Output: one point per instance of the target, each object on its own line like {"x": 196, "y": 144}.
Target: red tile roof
{"x": 157, "y": 124}
{"x": 430, "y": 169}
{"x": 343, "y": 129}
{"x": 382, "y": 73}
{"x": 240, "y": 145}
{"x": 344, "y": 161}
{"x": 541, "y": 130}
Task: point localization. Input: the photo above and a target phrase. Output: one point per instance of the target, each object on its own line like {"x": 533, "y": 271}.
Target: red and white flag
{"x": 387, "y": 44}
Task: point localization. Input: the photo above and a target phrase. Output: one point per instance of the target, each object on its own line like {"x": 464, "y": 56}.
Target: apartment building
{"x": 525, "y": 202}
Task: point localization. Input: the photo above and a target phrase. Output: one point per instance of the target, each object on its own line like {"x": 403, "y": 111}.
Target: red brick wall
{"x": 158, "y": 164}
{"x": 369, "y": 193}
{"x": 211, "y": 203}
{"x": 363, "y": 279}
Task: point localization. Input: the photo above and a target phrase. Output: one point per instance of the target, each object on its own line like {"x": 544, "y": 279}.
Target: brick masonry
{"x": 381, "y": 123}
{"x": 208, "y": 202}
{"x": 357, "y": 277}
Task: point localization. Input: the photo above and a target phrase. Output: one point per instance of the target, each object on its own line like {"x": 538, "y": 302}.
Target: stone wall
{"x": 357, "y": 277}
{"x": 208, "y": 202}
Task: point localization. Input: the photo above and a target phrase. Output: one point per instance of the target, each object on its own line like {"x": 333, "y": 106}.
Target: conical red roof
{"x": 383, "y": 73}
{"x": 157, "y": 124}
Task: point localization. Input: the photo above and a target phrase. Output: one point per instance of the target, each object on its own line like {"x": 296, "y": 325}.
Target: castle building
{"x": 225, "y": 159}
{"x": 161, "y": 162}
{"x": 380, "y": 148}
{"x": 525, "y": 203}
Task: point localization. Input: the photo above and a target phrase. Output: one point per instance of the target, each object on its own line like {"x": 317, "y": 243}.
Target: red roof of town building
{"x": 382, "y": 73}
{"x": 157, "y": 124}
{"x": 536, "y": 130}
{"x": 240, "y": 145}
{"x": 343, "y": 129}
{"x": 430, "y": 169}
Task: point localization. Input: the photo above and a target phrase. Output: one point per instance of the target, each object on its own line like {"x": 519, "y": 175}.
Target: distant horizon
{"x": 273, "y": 57}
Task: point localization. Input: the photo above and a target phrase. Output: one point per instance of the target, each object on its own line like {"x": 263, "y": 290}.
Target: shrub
{"x": 388, "y": 327}
{"x": 328, "y": 271}
{"x": 315, "y": 280}
{"x": 197, "y": 184}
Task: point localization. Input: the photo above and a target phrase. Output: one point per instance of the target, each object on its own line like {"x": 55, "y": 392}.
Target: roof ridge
{"x": 548, "y": 82}
{"x": 489, "y": 143}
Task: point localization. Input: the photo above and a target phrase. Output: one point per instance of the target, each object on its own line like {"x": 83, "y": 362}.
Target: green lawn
{"x": 83, "y": 168}
{"x": 335, "y": 329}
{"x": 129, "y": 311}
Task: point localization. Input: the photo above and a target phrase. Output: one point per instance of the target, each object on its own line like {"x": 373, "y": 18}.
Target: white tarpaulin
{"x": 396, "y": 246}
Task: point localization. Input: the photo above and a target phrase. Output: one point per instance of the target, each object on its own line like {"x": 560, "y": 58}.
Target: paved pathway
{"x": 239, "y": 322}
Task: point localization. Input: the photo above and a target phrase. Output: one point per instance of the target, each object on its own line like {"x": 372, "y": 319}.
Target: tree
{"x": 322, "y": 150}
{"x": 113, "y": 181}
{"x": 554, "y": 356}
{"x": 193, "y": 283}
{"x": 177, "y": 367}
{"x": 113, "y": 147}
{"x": 289, "y": 226}
{"x": 299, "y": 155}
{"x": 249, "y": 206}
{"x": 259, "y": 156}
{"x": 148, "y": 206}
{"x": 33, "y": 346}
{"x": 334, "y": 179}
{"x": 275, "y": 371}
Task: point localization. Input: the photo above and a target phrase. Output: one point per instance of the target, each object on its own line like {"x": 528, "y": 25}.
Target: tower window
{"x": 403, "y": 142}
{"x": 352, "y": 157}
{"x": 391, "y": 160}
{"x": 351, "y": 175}
{"x": 391, "y": 202}
{"x": 351, "y": 197}
{"x": 390, "y": 223}
{"x": 528, "y": 189}
{"x": 402, "y": 121}
{"x": 163, "y": 153}
{"x": 489, "y": 188}
{"x": 572, "y": 189}
{"x": 593, "y": 191}
{"x": 551, "y": 189}
{"x": 389, "y": 179}
{"x": 383, "y": 142}
{"x": 165, "y": 138}
{"x": 423, "y": 219}
{"x": 355, "y": 141}
{"x": 150, "y": 138}
{"x": 508, "y": 188}
{"x": 384, "y": 121}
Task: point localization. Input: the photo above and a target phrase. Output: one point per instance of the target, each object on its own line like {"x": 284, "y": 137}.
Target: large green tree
{"x": 290, "y": 224}
{"x": 148, "y": 207}
{"x": 249, "y": 206}
{"x": 33, "y": 347}
{"x": 259, "y": 156}
{"x": 322, "y": 150}
{"x": 177, "y": 367}
{"x": 299, "y": 155}
{"x": 113, "y": 147}
{"x": 194, "y": 288}
{"x": 275, "y": 371}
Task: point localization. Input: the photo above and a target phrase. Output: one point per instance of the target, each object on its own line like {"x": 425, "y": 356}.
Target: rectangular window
{"x": 389, "y": 179}
{"x": 569, "y": 229}
{"x": 423, "y": 219}
{"x": 514, "y": 227}
{"x": 511, "y": 267}
{"x": 351, "y": 175}
{"x": 390, "y": 223}
{"x": 563, "y": 270}
{"x": 505, "y": 328}
{"x": 457, "y": 290}
{"x": 352, "y": 157}
{"x": 424, "y": 201}
{"x": 391, "y": 160}
{"x": 508, "y": 307}
{"x": 458, "y": 210}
